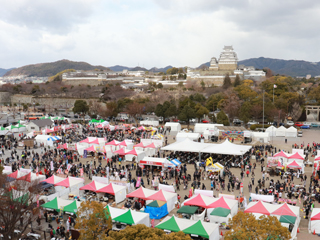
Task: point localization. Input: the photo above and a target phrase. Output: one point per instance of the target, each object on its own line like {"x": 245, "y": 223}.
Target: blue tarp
{"x": 157, "y": 212}
{"x": 176, "y": 162}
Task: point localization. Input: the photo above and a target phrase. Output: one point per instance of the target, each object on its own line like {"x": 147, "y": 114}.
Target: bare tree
{"x": 134, "y": 109}
{"x": 18, "y": 200}
{"x": 232, "y": 105}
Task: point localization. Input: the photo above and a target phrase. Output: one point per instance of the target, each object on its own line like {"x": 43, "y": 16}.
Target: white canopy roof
{"x": 186, "y": 146}
{"x": 227, "y": 148}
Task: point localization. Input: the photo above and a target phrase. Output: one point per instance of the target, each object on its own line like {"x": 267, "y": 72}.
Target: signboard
{"x": 21, "y": 144}
{"x": 150, "y": 163}
{"x": 236, "y": 135}
{"x": 212, "y": 169}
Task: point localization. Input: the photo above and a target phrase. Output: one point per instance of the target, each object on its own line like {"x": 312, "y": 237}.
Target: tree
{"x": 80, "y": 106}
{"x": 246, "y": 226}
{"x": 160, "y": 85}
{"x": 112, "y": 109}
{"x": 226, "y": 82}
{"x": 135, "y": 109}
{"x": 203, "y": 85}
{"x": 237, "y": 81}
{"x": 186, "y": 114}
{"x": 141, "y": 231}
{"x": 201, "y": 111}
{"x": 213, "y": 100}
{"x": 222, "y": 118}
{"x": 35, "y": 89}
{"x": 232, "y": 105}
{"x": 93, "y": 221}
{"x": 16, "y": 202}
{"x": 161, "y": 110}
{"x": 95, "y": 108}
{"x": 245, "y": 112}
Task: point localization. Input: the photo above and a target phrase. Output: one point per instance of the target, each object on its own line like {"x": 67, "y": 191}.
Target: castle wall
{"x": 5, "y": 97}
{"x": 76, "y": 82}
{"x": 228, "y": 67}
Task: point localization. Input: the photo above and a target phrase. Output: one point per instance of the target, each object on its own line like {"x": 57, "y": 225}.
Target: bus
{"x": 33, "y": 116}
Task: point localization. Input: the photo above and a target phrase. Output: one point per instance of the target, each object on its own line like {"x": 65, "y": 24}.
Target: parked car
{"x": 298, "y": 124}
{"x": 290, "y": 123}
{"x": 314, "y": 125}
{"x": 305, "y": 127}
{"x": 299, "y": 133}
{"x": 251, "y": 122}
{"x": 175, "y": 120}
{"x": 205, "y": 121}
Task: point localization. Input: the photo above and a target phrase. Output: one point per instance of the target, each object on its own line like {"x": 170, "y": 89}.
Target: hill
{"x": 154, "y": 69}
{"x": 4, "y": 71}
{"x": 118, "y": 68}
{"x": 286, "y": 67}
{"x": 292, "y": 68}
{"x": 51, "y": 69}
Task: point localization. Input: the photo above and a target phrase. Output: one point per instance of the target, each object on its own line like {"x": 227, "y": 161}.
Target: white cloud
{"x": 155, "y": 33}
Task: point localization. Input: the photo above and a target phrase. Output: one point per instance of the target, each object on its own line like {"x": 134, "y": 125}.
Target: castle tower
{"x": 228, "y": 59}
{"x": 213, "y": 64}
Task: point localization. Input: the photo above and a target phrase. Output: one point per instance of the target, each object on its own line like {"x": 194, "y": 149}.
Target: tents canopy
{"x": 53, "y": 179}
{"x": 57, "y": 204}
{"x": 156, "y": 203}
{"x": 118, "y": 191}
{"x": 70, "y": 181}
{"x": 186, "y": 145}
{"x": 183, "y": 135}
{"x": 271, "y": 130}
{"x": 132, "y": 218}
{"x": 94, "y": 186}
{"x": 281, "y": 131}
{"x": 72, "y": 207}
{"x": 281, "y": 154}
{"x": 294, "y": 164}
{"x": 291, "y": 132}
{"x": 287, "y": 219}
{"x": 221, "y": 212}
{"x": 227, "y": 148}
{"x": 296, "y": 156}
{"x": 142, "y": 193}
{"x": 175, "y": 127}
{"x": 188, "y": 209}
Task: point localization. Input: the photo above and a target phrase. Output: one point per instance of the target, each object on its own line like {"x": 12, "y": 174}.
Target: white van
{"x": 300, "y": 133}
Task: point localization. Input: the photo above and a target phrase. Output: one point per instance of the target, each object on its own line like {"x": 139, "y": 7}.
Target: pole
{"x": 273, "y": 94}
{"x": 263, "y": 111}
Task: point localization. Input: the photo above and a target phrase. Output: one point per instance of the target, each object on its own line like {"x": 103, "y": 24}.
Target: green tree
{"x": 161, "y": 110}
{"x": 212, "y": 117}
{"x": 237, "y": 81}
{"x": 198, "y": 97}
{"x": 203, "y": 85}
{"x": 246, "y": 226}
{"x": 141, "y": 231}
{"x": 159, "y": 85}
{"x": 80, "y": 106}
{"x": 201, "y": 111}
{"x": 186, "y": 114}
{"x": 112, "y": 109}
{"x": 245, "y": 110}
{"x": 222, "y": 118}
{"x": 123, "y": 103}
{"x": 171, "y": 111}
{"x": 35, "y": 89}
{"x": 226, "y": 82}
{"x": 213, "y": 100}
{"x": 93, "y": 221}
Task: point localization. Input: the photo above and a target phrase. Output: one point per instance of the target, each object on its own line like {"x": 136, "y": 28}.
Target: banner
{"x": 81, "y": 172}
{"x": 85, "y": 154}
{"x": 51, "y": 166}
{"x": 138, "y": 182}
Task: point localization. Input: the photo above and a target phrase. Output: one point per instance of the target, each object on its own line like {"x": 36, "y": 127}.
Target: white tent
{"x": 261, "y": 136}
{"x": 138, "y": 217}
{"x": 175, "y": 126}
{"x": 272, "y": 131}
{"x": 291, "y": 132}
{"x": 201, "y": 127}
{"x": 281, "y": 131}
{"x": 183, "y": 135}
{"x": 227, "y": 148}
{"x": 186, "y": 146}
{"x": 314, "y": 222}
{"x": 46, "y": 139}
{"x": 140, "y": 156}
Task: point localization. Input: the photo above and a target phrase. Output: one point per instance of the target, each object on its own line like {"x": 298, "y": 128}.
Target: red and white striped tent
{"x": 142, "y": 193}
{"x": 54, "y": 179}
{"x": 294, "y": 164}
{"x": 70, "y": 182}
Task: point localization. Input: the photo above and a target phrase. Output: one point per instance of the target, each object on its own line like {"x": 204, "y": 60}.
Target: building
{"x": 226, "y": 64}
{"x": 39, "y": 125}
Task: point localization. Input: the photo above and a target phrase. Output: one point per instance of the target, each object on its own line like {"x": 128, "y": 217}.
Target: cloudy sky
{"x": 157, "y": 33}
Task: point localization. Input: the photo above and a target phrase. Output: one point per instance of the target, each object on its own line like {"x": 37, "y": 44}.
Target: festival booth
{"x": 186, "y": 145}
{"x": 72, "y": 183}
{"x": 168, "y": 188}
{"x": 291, "y": 132}
{"x": 142, "y": 193}
{"x": 21, "y": 128}
{"x": 4, "y": 131}
{"x": 152, "y": 163}
{"x": 32, "y": 177}
{"x": 113, "y": 145}
{"x": 264, "y": 198}
{"x": 183, "y": 135}
{"x": 18, "y": 174}
{"x": 138, "y": 155}
{"x": 226, "y": 148}
{"x": 314, "y": 222}
{"x": 201, "y": 127}
{"x": 285, "y": 213}
{"x": 175, "y": 126}
{"x": 157, "y": 142}
{"x": 72, "y": 208}
{"x": 126, "y": 143}
{"x": 57, "y": 204}
{"x": 296, "y": 157}
{"x": 272, "y": 131}
{"x": 281, "y": 131}
{"x": 46, "y": 139}
{"x": 194, "y": 228}
{"x": 13, "y": 128}
{"x": 157, "y": 209}
{"x": 208, "y": 193}
{"x": 263, "y": 137}
{"x": 169, "y": 197}
{"x": 128, "y": 216}
{"x": 296, "y": 165}
{"x": 215, "y": 168}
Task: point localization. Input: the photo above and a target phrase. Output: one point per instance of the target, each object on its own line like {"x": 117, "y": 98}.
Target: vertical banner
{"x": 85, "y": 154}
{"x": 138, "y": 182}
{"x": 81, "y": 172}
{"x": 51, "y": 166}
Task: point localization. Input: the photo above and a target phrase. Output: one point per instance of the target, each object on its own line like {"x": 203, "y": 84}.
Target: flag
{"x": 81, "y": 172}
{"x": 274, "y": 86}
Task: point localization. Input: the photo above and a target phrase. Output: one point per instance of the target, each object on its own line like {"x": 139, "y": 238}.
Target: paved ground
{"x": 308, "y": 137}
